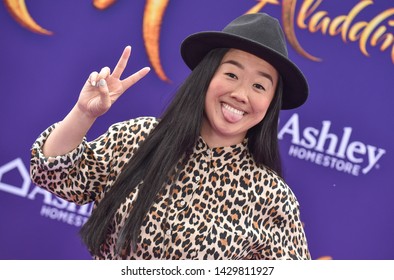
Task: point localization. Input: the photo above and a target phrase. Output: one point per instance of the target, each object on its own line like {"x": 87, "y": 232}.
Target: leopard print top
{"x": 221, "y": 205}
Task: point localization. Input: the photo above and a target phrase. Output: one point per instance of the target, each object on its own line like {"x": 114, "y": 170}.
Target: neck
{"x": 214, "y": 140}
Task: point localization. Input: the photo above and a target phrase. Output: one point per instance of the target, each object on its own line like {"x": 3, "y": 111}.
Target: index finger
{"x": 122, "y": 63}
{"x": 132, "y": 79}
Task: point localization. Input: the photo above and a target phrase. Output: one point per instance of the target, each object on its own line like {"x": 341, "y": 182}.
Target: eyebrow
{"x": 239, "y": 65}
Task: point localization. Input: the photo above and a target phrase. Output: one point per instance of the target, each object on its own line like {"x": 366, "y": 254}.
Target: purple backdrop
{"x": 337, "y": 149}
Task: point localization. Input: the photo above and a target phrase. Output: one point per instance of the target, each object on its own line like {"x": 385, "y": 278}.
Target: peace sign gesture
{"x": 103, "y": 88}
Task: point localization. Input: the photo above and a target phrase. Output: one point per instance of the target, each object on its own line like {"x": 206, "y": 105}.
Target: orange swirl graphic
{"x": 325, "y": 258}
{"x": 261, "y": 3}
{"x": 18, "y": 10}
{"x": 103, "y": 4}
{"x": 288, "y": 28}
{"x": 153, "y": 17}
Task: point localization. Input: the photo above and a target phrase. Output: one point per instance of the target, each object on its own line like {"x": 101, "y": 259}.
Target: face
{"x": 238, "y": 97}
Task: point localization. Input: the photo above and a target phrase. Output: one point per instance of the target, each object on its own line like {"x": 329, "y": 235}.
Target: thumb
{"x": 103, "y": 87}
{"x": 105, "y": 100}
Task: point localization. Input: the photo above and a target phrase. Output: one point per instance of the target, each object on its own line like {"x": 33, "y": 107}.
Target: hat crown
{"x": 260, "y": 28}
{"x": 258, "y": 34}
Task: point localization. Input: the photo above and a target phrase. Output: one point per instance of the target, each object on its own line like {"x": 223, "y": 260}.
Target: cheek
{"x": 210, "y": 98}
{"x": 217, "y": 87}
{"x": 214, "y": 90}
{"x": 213, "y": 94}
{"x": 260, "y": 105}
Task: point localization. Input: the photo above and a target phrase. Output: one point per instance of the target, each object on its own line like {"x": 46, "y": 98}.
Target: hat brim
{"x": 295, "y": 87}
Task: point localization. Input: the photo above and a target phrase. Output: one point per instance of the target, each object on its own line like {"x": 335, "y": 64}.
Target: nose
{"x": 240, "y": 94}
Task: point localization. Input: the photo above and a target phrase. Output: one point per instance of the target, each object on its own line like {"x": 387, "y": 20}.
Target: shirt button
{"x": 182, "y": 203}
{"x": 168, "y": 232}
{"x": 197, "y": 178}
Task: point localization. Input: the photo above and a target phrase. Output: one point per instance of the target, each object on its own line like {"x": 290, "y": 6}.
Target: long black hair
{"x": 157, "y": 157}
{"x": 263, "y": 137}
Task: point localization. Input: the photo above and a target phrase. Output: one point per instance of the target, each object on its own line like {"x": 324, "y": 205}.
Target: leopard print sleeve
{"x": 83, "y": 175}
{"x": 287, "y": 234}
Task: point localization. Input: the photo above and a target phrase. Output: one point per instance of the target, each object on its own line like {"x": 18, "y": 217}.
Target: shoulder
{"x": 127, "y": 134}
{"x": 274, "y": 186}
{"x": 137, "y": 125}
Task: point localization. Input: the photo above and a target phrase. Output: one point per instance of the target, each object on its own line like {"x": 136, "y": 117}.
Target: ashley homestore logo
{"x": 53, "y": 207}
{"x": 322, "y": 147}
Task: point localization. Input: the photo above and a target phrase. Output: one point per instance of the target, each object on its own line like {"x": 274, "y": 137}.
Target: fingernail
{"x": 102, "y": 83}
{"x": 93, "y": 83}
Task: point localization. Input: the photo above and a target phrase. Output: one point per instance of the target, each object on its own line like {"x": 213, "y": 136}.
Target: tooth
{"x": 231, "y": 109}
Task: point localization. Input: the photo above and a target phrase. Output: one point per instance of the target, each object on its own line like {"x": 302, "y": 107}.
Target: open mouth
{"x": 231, "y": 114}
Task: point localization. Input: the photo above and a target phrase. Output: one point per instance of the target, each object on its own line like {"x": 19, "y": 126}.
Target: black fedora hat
{"x": 258, "y": 34}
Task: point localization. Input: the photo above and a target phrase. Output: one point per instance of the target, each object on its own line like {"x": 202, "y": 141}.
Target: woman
{"x": 201, "y": 182}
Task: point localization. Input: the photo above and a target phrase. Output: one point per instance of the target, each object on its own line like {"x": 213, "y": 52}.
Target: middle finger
{"x": 104, "y": 73}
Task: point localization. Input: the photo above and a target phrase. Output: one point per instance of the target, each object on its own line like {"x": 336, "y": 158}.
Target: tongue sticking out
{"x": 230, "y": 114}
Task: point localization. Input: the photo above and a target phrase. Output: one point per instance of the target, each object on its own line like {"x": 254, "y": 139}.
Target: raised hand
{"x": 103, "y": 88}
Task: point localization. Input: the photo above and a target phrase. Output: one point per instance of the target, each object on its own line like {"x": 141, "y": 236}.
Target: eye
{"x": 231, "y": 75}
{"x": 259, "y": 87}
